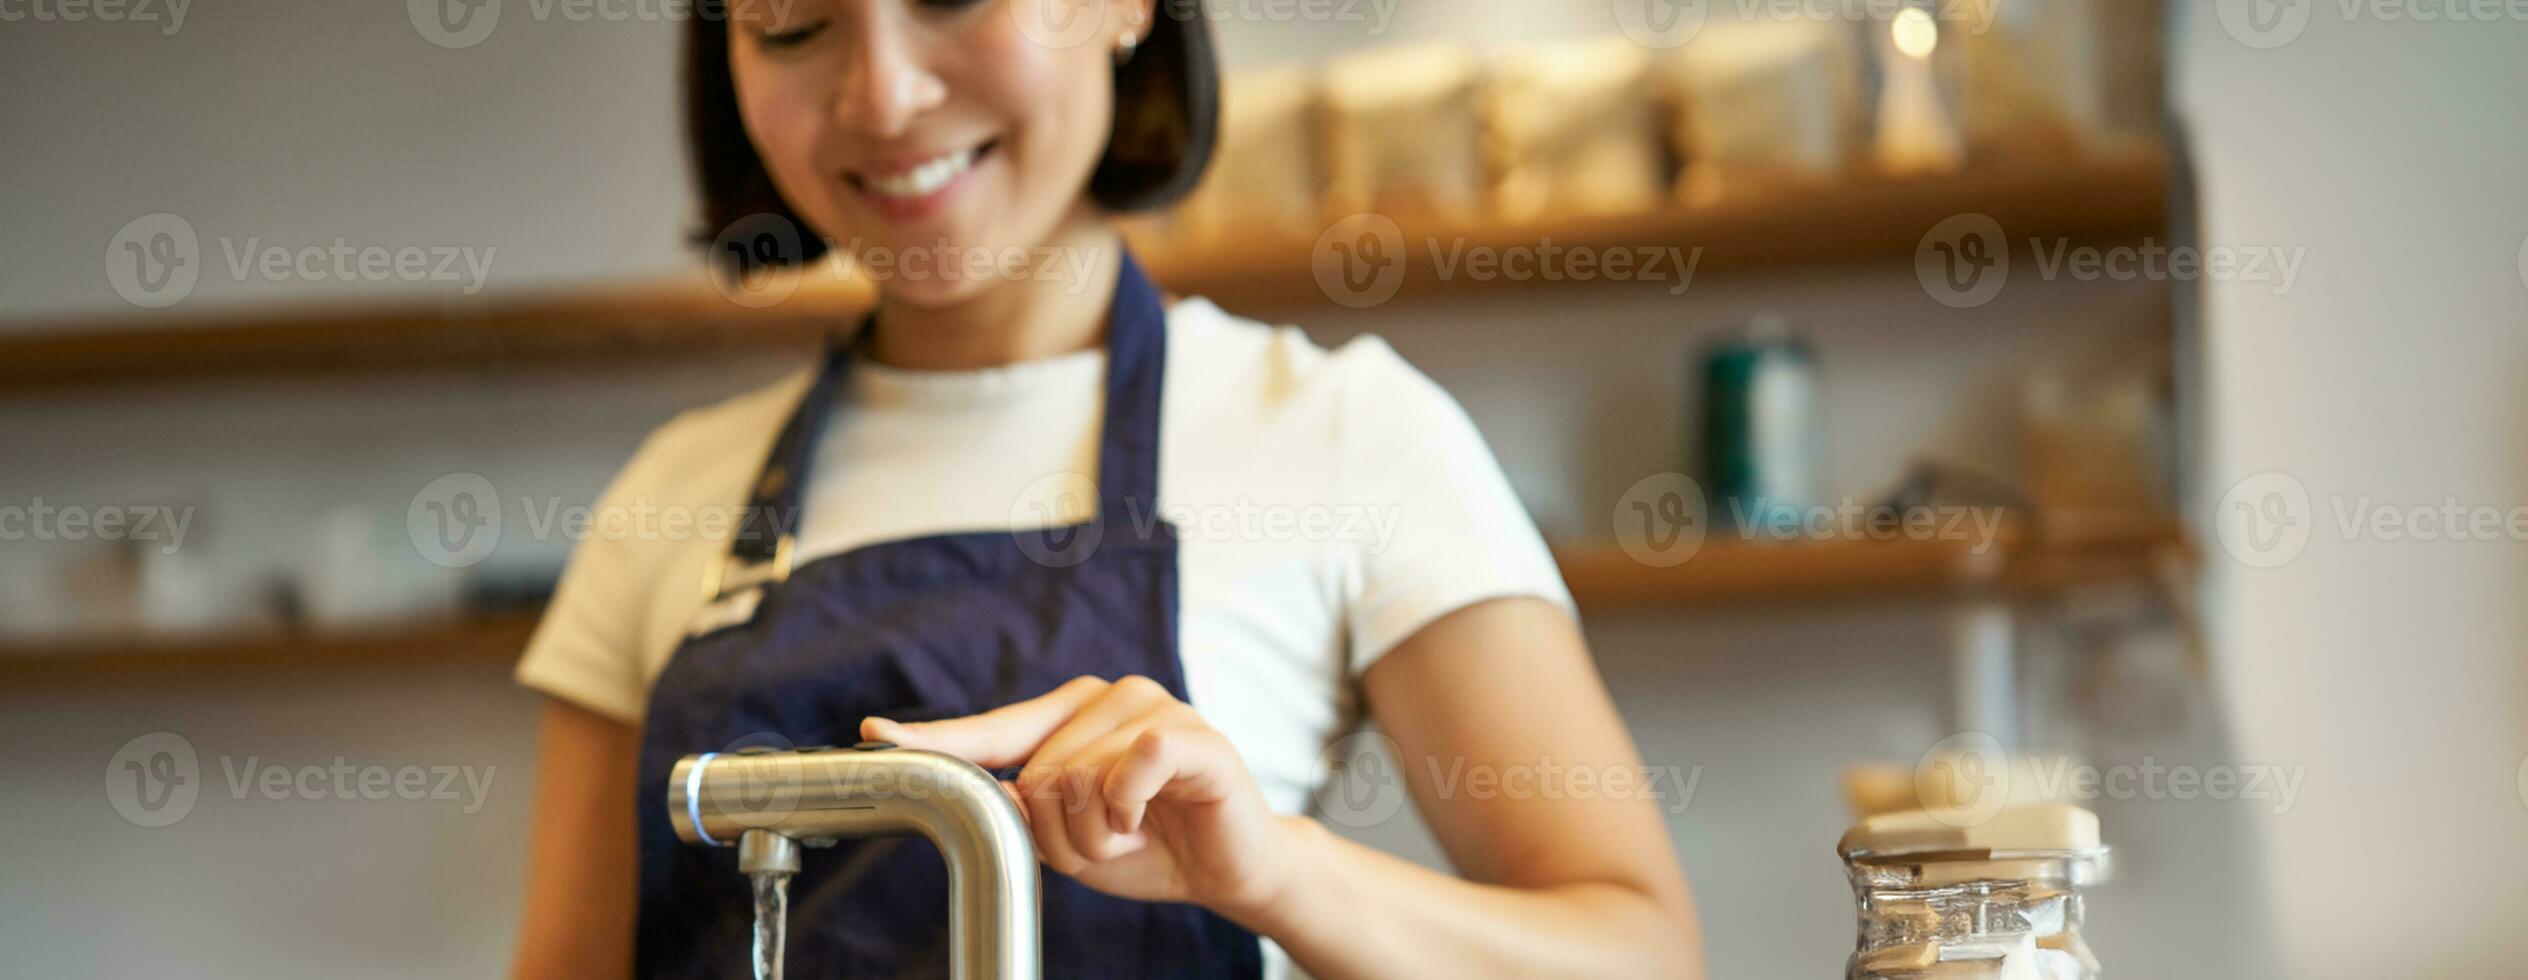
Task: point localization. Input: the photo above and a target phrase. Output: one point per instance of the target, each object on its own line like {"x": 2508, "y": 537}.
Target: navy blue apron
{"x": 919, "y": 629}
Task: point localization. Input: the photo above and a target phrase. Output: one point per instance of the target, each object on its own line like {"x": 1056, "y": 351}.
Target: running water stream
{"x": 772, "y": 913}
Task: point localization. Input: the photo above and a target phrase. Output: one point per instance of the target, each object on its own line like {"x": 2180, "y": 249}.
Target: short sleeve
{"x": 588, "y": 648}
{"x": 1456, "y": 532}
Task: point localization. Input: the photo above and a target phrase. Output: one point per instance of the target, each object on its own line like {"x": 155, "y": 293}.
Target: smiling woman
{"x": 990, "y": 524}
{"x": 1160, "y": 136}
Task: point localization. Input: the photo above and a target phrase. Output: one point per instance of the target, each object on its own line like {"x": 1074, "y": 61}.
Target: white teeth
{"x": 924, "y": 180}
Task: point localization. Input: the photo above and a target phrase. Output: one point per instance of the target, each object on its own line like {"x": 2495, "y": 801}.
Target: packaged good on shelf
{"x": 1762, "y": 103}
{"x": 1574, "y": 127}
{"x": 1403, "y": 133}
{"x": 2056, "y": 79}
{"x": 1267, "y": 172}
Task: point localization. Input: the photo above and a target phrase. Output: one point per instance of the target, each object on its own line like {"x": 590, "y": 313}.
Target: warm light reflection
{"x": 1917, "y": 35}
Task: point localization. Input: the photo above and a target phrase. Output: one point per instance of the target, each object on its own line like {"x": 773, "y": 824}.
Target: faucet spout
{"x": 767, "y": 803}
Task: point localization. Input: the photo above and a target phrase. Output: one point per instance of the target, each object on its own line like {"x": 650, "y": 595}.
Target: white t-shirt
{"x": 1328, "y": 503}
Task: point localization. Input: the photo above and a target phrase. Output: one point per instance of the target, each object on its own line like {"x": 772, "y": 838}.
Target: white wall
{"x": 2392, "y": 669}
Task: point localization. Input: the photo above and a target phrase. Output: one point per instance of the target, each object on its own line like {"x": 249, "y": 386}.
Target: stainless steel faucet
{"x": 773, "y": 801}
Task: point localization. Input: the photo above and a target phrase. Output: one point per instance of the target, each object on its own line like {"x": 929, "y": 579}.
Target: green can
{"x": 1763, "y": 427}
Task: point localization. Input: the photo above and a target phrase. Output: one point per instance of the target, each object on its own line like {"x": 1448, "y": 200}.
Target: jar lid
{"x": 2038, "y": 828}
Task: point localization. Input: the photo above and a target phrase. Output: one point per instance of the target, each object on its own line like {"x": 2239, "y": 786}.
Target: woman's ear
{"x": 1128, "y": 23}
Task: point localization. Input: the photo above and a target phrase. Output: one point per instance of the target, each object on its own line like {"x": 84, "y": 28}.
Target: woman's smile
{"x": 912, "y": 187}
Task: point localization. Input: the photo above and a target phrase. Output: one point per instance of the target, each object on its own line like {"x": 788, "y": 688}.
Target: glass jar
{"x": 1949, "y": 895}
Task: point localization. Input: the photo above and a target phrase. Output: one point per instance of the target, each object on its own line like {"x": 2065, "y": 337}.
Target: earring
{"x": 1127, "y": 45}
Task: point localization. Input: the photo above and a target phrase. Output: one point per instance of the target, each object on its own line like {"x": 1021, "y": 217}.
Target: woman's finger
{"x": 1051, "y": 828}
{"x": 1117, "y": 705}
{"x": 1004, "y": 736}
{"x": 1071, "y": 765}
{"x": 1190, "y": 763}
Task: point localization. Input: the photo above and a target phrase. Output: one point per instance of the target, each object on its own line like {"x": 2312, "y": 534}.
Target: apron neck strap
{"x": 1128, "y": 452}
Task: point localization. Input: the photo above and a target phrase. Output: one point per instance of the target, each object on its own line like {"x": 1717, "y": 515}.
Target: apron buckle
{"x": 729, "y": 573}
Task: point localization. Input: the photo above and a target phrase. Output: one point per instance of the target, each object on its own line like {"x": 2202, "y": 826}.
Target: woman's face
{"x": 932, "y": 130}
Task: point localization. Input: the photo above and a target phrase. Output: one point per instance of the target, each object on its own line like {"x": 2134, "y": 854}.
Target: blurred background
{"x": 2063, "y": 386}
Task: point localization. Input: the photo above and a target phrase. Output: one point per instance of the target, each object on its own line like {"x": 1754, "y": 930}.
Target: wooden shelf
{"x": 2070, "y": 554}
{"x": 1268, "y": 273}
{"x": 1603, "y": 579}
{"x": 2114, "y": 196}
{"x": 485, "y": 334}
{"x": 489, "y": 641}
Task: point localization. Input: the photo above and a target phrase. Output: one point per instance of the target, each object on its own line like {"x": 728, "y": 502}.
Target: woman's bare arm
{"x": 1566, "y": 880}
{"x": 582, "y": 860}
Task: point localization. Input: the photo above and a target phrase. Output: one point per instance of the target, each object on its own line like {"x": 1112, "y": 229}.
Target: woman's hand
{"x": 1129, "y": 791}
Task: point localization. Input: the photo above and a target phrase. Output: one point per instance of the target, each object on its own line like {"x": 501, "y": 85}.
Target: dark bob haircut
{"x": 1167, "y": 114}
